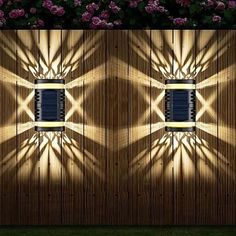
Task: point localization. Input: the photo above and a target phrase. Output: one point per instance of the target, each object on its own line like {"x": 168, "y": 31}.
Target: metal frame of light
{"x": 180, "y": 105}
{"x": 49, "y": 105}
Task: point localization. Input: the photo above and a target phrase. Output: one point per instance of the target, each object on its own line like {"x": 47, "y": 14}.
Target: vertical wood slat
{"x": 67, "y": 153}
{"x": 9, "y": 204}
{"x": 184, "y": 142}
{"x": 122, "y": 140}
{"x": 167, "y": 214}
{"x": 72, "y": 182}
{"x": 99, "y": 123}
{"x": 158, "y": 135}
{"x": 223, "y": 116}
{"x": 231, "y": 131}
{"x": 26, "y": 137}
{"x": 94, "y": 127}
{"x": 78, "y": 117}
{"x": 50, "y": 149}
{"x": 226, "y": 126}
{"x": 111, "y": 124}
{"x": 139, "y": 56}
{"x": 207, "y": 176}
{"x": 117, "y": 125}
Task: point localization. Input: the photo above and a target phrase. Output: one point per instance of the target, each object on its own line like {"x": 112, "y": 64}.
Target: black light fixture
{"x": 49, "y": 105}
{"x": 180, "y": 105}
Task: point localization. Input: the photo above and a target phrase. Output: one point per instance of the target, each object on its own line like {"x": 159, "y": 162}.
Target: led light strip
{"x": 49, "y": 124}
{"x": 180, "y": 86}
{"x": 49, "y": 86}
{"x": 180, "y": 124}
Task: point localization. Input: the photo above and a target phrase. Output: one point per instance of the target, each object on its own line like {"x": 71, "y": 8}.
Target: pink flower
{"x": 77, "y": 3}
{"x": 40, "y": 23}
{"x": 105, "y": 15}
{"x": 21, "y": 12}
{"x": 1, "y": 3}
{"x": 96, "y": 20}
{"x": 220, "y": 6}
{"x": 152, "y": 6}
{"x": 231, "y": 4}
{"x": 210, "y": 3}
{"x": 180, "y": 21}
{"x": 92, "y": 7}
{"x": 47, "y": 4}
{"x": 109, "y": 25}
{"x": 117, "y": 22}
{"x": 2, "y": 22}
{"x": 114, "y": 8}
{"x": 149, "y": 9}
{"x": 102, "y": 24}
{"x": 161, "y": 9}
{"x": 15, "y": 13}
{"x": 56, "y": 10}
{"x": 60, "y": 11}
{"x": 53, "y": 10}
{"x": 33, "y": 10}
{"x": 86, "y": 16}
{"x": 183, "y": 2}
{"x": 216, "y": 19}
{"x": 1, "y": 14}
{"x": 133, "y": 4}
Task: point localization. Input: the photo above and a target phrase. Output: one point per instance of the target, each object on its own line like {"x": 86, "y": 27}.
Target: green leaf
{"x": 228, "y": 16}
{"x": 121, "y": 14}
{"x": 70, "y": 3}
{"x": 79, "y": 11}
{"x": 132, "y": 21}
{"x": 141, "y": 6}
{"x": 39, "y": 3}
{"x": 195, "y": 9}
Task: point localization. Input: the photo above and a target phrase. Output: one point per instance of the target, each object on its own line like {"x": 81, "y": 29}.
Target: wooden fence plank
{"x": 226, "y": 126}
{"x": 94, "y": 127}
{"x": 206, "y": 137}
{"x": 26, "y": 138}
{"x": 139, "y": 127}
{"x": 184, "y": 142}
{"x": 72, "y": 69}
{"x": 9, "y": 152}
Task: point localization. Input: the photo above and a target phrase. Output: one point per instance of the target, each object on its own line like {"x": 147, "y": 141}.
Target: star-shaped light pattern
{"x": 72, "y": 56}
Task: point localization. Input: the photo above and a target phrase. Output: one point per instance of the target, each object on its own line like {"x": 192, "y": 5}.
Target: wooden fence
{"x": 115, "y": 164}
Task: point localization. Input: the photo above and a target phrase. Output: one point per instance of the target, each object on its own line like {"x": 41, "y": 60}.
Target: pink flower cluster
{"x": 106, "y": 14}
{"x": 16, "y": 13}
{"x": 219, "y": 5}
{"x": 33, "y": 10}
{"x": 2, "y": 19}
{"x": 134, "y": 3}
{"x": 180, "y": 21}
{"x": 100, "y": 21}
{"x": 77, "y": 3}
{"x": 154, "y": 6}
{"x": 54, "y": 9}
{"x": 114, "y": 8}
{"x": 91, "y": 9}
{"x": 232, "y": 4}
{"x": 185, "y": 3}
{"x": 216, "y": 19}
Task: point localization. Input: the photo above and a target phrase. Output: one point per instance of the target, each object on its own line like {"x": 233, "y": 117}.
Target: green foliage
{"x": 197, "y": 15}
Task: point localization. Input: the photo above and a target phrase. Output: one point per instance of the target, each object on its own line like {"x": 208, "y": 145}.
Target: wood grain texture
{"x": 115, "y": 164}
{"x": 9, "y": 148}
